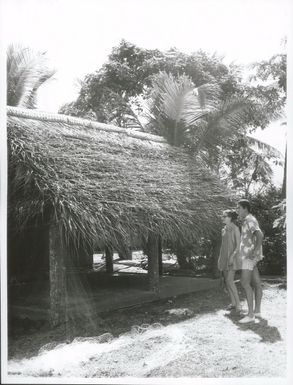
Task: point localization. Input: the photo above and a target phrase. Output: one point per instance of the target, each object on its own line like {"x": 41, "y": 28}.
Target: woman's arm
{"x": 236, "y": 238}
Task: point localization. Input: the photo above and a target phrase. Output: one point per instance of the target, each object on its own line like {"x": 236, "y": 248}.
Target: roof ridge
{"x": 71, "y": 120}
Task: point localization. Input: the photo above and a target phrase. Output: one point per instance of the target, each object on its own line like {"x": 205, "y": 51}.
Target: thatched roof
{"x": 104, "y": 184}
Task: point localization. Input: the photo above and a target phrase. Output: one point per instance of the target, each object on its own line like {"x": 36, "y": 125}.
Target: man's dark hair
{"x": 244, "y": 203}
{"x": 231, "y": 214}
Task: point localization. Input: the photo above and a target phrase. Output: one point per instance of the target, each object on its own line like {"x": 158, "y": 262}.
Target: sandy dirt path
{"x": 209, "y": 344}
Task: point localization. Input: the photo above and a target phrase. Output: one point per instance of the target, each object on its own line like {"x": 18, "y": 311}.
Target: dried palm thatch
{"x": 103, "y": 184}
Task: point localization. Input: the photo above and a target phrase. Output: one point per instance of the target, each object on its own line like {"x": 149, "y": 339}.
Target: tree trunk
{"x": 125, "y": 254}
{"x": 182, "y": 255}
{"x": 85, "y": 259}
{"x": 153, "y": 262}
{"x": 182, "y": 261}
{"x": 58, "y": 289}
{"x": 109, "y": 260}
{"x": 160, "y": 256}
{"x": 285, "y": 176}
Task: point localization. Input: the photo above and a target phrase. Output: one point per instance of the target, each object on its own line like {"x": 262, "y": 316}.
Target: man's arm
{"x": 256, "y": 247}
{"x": 259, "y": 239}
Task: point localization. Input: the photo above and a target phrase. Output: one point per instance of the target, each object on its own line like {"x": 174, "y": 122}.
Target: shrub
{"x": 270, "y": 211}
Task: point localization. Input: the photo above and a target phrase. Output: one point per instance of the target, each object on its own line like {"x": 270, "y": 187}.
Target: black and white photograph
{"x": 145, "y": 158}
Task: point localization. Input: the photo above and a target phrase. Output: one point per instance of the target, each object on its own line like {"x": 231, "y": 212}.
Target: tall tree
{"x": 273, "y": 73}
{"x": 115, "y": 92}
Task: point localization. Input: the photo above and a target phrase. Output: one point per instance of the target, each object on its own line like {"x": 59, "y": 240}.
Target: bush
{"x": 270, "y": 211}
{"x": 198, "y": 257}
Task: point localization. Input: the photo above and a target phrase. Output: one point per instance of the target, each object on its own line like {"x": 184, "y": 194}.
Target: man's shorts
{"x": 248, "y": 264}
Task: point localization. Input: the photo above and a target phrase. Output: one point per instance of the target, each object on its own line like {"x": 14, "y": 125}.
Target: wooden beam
{"x": 58, "y": 290}
{"x": 153, "y": 262}
{"x": 109, "y": 260}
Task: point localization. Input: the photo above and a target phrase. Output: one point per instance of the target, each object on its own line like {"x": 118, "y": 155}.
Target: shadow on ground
{"x": 27, "y": 337}
{"x": 261, "y": 327}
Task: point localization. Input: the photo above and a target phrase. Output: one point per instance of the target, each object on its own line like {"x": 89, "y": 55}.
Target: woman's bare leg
{"x": 233, "y": 302}
{"x": 233, "y": 288}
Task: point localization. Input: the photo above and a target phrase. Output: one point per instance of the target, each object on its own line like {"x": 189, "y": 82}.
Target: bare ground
{"x": 187, "y": 336}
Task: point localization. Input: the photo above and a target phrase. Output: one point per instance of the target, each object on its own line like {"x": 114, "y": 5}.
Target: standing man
{"x": 250, "y": 254}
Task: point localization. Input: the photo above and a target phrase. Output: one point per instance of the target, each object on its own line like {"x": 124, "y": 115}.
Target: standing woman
{"x": 229, "y": 260}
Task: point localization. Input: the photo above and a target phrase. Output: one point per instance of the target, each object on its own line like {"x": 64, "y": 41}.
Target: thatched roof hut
{"x": 103, "y": 184}
{"x": 93, "y": 186}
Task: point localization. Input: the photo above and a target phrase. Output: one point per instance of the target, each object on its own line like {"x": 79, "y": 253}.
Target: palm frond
{"x": 264, "y": 147}
{"x": 176, "y": 99}
{"x": 169, "y": 95}
{"x": 200, "y": 102}
{"x": 26, "y": 72}
{"x": 221, "y": 125}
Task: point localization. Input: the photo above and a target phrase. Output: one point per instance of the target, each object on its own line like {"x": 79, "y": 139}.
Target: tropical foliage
{"x": 116, "y": 91}
{"x": 271, "y": 215}
{"x": 271, "y": 78}
{"x": 27, "y": 71}
{"x": 212, "y": 129}
{"x": 280, "y": 222}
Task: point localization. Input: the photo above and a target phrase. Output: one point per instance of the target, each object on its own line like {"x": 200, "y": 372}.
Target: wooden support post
{"x": 160, "y": 256}
{"x": 153, "y": 263}
{"x": 57, "y": 278}
{"x": 109, "y": 260}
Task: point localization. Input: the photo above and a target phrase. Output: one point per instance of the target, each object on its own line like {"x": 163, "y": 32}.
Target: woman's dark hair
{"x": 231, "y": 214}
{"x": 244, "y": 203}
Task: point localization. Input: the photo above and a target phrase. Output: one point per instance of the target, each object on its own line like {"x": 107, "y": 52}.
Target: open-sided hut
{"x": 77, "y": 186}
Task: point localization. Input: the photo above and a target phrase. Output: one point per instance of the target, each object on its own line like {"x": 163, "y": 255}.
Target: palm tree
{"x": 26, "y": 72}
{"x": 199, "y": 119}
{"x": 175, "y": 105}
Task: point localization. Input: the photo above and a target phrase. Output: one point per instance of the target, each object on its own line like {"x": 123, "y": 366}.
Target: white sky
{"x": 78, "y": 35}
